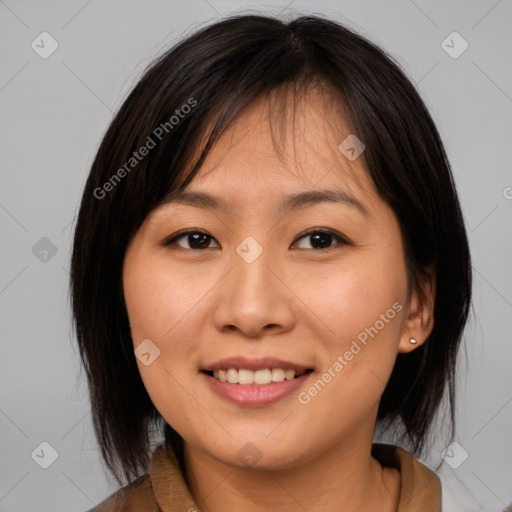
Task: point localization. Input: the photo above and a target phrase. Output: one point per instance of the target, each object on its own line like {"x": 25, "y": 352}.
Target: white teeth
{"x": 289, "y": 374}
{"x": 259, "y": 377}
{"x": 277, "y": 375}
{"x": 263, "y": 376}
{"x": 245, "y": 377}
{"x": 232, "y": 376}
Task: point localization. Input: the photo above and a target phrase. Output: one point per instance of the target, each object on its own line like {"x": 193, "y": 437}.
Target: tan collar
{"x": 165, "y": 490}
{"x": 421, "y": 487}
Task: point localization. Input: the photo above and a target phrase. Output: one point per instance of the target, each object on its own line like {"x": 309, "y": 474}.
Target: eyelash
{"x": 341, "y": 240}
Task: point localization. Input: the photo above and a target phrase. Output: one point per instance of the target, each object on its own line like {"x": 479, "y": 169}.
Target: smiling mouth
{"x": 261, "y": 377}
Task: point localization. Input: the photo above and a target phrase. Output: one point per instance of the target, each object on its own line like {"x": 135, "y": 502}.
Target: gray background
{"x": 53, "y": 114}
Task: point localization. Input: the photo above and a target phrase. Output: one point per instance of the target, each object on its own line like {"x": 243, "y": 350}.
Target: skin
{"x": 296, "y": 301}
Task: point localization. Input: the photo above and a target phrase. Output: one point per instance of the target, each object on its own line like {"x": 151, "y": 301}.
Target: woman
{"x": 269, "y": 260}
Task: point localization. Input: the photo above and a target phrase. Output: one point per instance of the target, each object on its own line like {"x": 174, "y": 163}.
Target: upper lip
{"x": 254, "y": 364}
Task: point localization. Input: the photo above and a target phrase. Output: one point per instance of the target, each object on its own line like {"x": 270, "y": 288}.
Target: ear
{"x": 419, "y": 321}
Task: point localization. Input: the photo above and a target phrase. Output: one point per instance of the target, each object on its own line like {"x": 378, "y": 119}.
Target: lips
{"x": 261, "y": 377}
{"x": 255, "y": 364}
{"x": 254, "y": 394}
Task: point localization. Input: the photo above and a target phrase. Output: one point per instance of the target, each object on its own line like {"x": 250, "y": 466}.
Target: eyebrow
{"x": 288, "y": 203}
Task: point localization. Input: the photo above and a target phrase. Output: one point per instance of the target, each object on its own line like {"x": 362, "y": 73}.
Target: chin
{"x": 260, "y": 454}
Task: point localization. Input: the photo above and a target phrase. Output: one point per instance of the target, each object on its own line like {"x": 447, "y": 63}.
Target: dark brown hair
{"x": 218, "y": 71}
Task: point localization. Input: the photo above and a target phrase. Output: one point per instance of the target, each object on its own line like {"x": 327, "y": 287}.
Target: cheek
{"x": 163, "y": 307}
{"x": 160, "y": 297}
{"x": 345, "y": 299}
{"x": 357, "y": 362}
{"x": 358, "y": 309}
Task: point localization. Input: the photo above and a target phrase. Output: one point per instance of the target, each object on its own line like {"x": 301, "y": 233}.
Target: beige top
{"x": 165, "y": 489}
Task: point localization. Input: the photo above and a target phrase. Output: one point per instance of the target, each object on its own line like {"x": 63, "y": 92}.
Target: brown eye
{"x": 196, "y": 240}
{"x": 322, "y": 239}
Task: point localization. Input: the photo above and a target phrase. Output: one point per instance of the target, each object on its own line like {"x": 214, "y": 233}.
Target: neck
{"x": 343, "y": 478}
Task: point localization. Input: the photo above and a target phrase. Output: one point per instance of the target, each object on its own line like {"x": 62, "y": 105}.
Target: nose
{"x": 254, "y": 299}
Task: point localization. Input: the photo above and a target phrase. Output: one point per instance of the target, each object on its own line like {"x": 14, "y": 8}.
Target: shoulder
{"x": 137, "y": 496}
{"x": 420, "y": 486}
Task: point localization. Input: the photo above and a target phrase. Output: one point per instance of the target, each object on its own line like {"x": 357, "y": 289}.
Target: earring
{"x": 413, "y": 341}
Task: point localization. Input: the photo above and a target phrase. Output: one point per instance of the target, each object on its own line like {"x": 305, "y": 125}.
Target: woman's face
{"x": 274, "y": 285}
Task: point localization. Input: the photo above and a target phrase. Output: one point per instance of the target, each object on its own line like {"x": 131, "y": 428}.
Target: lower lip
{"x": 256, "y": 395}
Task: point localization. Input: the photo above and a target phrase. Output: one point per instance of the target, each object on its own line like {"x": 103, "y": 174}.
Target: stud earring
{"x": 413, "y": 341}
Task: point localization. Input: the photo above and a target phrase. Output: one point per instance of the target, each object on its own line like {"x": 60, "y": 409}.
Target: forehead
{"x": 283, "y": 144}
